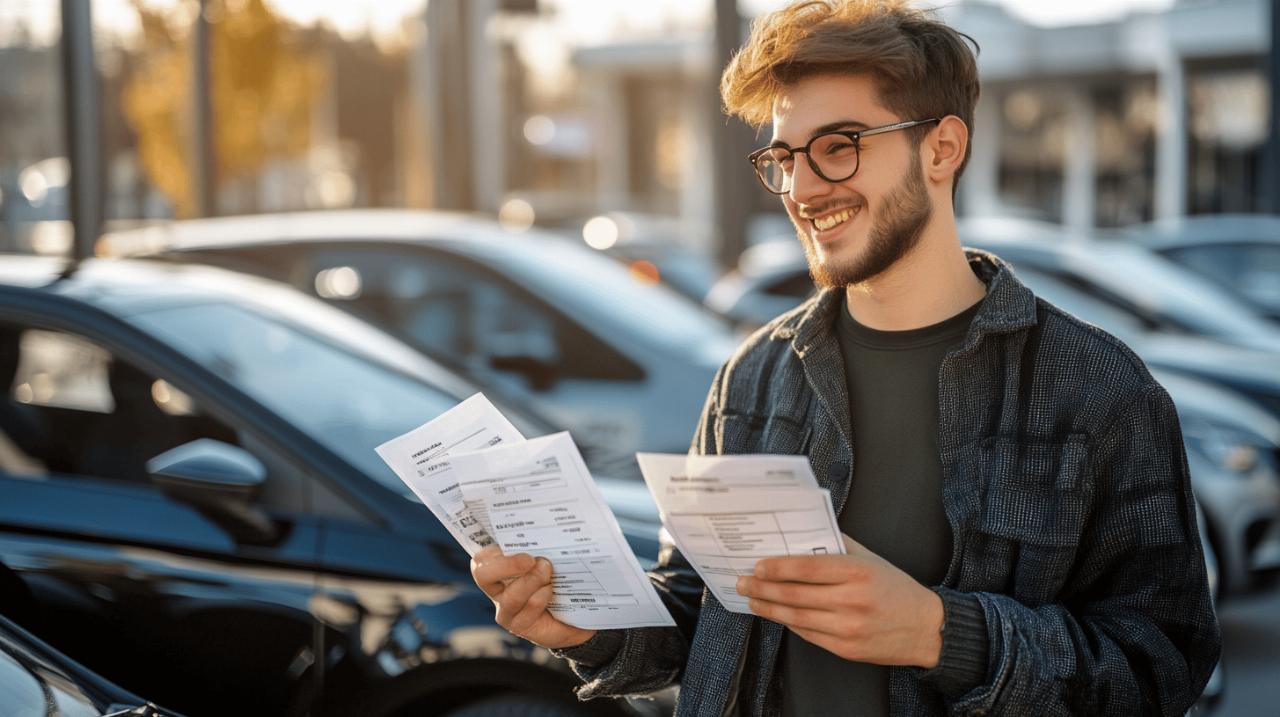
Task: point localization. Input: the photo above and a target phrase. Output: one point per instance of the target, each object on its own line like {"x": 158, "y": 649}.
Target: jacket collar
{"x": 1008, "y": 306}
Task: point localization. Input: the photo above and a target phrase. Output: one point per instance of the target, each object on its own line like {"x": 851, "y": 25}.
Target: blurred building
{"x": 552, "y": 111}
{"x": 1153, "y": 115}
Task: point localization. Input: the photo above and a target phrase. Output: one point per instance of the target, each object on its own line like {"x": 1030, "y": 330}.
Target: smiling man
{"x": 1021, "y": 533}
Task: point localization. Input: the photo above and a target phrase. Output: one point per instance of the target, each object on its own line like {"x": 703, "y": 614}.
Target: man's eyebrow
{"x": 828, "y": 127}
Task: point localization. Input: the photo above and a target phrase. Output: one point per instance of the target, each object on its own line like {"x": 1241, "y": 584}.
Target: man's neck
{"x": 930, "y": 284}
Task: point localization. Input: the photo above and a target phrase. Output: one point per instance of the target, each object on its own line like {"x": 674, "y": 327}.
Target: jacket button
{"x": 837, "y": 472}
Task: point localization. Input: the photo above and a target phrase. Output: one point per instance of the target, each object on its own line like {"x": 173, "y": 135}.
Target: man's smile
{"x": 825, "y": 225}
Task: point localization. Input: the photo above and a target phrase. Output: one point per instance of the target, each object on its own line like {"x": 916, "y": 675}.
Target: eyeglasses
{"x": 831, "y": 155}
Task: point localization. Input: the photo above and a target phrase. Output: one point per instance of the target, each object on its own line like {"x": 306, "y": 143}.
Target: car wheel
{"x": 516, "y": 705}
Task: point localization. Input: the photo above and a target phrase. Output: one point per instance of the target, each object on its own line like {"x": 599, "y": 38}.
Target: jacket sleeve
{"x": 1134, "y": 631}
{"x": 639, "y": 661}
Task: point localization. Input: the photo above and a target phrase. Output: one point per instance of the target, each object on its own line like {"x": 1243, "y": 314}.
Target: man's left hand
{"x": 857, "y": 606}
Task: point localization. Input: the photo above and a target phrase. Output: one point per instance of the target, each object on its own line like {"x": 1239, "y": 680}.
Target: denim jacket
{"x": 1066, "y": 485}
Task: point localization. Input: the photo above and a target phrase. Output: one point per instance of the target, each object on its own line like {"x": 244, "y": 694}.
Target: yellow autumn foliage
{"x": 263, "y": 93}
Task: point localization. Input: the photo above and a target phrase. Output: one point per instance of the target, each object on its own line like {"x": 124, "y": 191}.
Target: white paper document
{"x": 420, "y": 459}
{"x": 725, "y": 513}
{"x": 541, "y": 500}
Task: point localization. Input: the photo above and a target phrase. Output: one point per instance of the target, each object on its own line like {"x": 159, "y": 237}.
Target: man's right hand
{"x": 520, "y": 588}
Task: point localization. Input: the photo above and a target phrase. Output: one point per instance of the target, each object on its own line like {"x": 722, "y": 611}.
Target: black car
{"x": 37, "y": 680}
{"x": 277, "y": 567}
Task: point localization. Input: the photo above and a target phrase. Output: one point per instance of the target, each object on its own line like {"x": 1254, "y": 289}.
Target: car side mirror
{"x": 221, "y": 481}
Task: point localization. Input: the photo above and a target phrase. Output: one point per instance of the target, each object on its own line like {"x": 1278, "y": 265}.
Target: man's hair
{"x": 921, "y": 67}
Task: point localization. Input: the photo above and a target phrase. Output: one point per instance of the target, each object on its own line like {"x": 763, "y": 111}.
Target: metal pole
{"x": 1270, "y": 179}
{"x": 448, "y": 38}
{"x": 204, "y": 163}
{"x": 82, "y": 119}
{"x": 730, "y": 175}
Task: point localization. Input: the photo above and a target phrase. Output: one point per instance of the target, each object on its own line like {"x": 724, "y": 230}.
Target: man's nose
{"x": 806, "y": 185}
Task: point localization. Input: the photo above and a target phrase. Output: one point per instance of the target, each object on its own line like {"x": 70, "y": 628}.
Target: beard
{"x": 902, "y": 218}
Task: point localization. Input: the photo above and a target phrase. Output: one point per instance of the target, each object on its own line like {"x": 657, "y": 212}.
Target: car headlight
{"x": 1226, "y": 447}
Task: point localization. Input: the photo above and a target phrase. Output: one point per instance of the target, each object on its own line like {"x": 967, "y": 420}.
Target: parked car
{"x": 623, "y": 363}
{"x": 1240, "y": 253}
{"x": 655, "y": 248}
{"x": 1174, "y": 319}
{"x": 1166, "y": 296}
{"x": 37, "y": 680}
{"x": 770, "y": 279}
{"x": 1232, "y": 441}
{"x": 279, "y": 568}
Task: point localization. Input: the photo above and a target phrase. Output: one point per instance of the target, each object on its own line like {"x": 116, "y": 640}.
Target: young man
{"x": 1012, "y": 481}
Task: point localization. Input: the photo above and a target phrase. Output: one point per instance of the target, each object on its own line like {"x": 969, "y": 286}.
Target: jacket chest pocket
{"x": 755, "y": 433}
{"x": 1035, "y": 502}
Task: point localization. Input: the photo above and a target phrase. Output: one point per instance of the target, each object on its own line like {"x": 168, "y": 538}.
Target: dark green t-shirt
{"x": 895, "y": 501}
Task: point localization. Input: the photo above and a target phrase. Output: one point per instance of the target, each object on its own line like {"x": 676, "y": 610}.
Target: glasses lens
{"x": 774, "y": 169}
{"x": 836, "y": 156}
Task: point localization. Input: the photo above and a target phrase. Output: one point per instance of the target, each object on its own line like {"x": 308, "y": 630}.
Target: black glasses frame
{"x": 853, "y": 135}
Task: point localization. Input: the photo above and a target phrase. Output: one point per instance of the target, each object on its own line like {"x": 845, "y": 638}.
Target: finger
{"x": 851, "y": 546}
{"x": 831, "y": 644}
{"x": 493, "y": 574}
{"x": 534, "y": 607}
{"x": 820, "y": 569}
{"x": 794, "y": 617}
{"x": 493, "y": 550}
{"x": 788, "y": 593}
{"x": 513, "y": 598}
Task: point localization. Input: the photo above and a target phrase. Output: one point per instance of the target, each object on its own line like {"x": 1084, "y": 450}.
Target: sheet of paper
{"x": 420, "y": 459}
{"x": 725, "y": 513}
{"x": 669, "y": 474}
{"x": 541, "y": 500}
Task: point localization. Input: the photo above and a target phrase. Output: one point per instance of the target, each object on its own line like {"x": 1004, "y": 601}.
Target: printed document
{"x": 541, "y": 500}
{"x": 725, "y": 513}
{"x": 420, "y": 459}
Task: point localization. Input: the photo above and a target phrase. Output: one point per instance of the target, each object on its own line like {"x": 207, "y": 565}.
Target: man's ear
{"x": 944, "y": 149}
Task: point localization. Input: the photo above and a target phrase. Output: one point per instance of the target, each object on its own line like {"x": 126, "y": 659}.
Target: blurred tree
{"x": 264, "y": 90}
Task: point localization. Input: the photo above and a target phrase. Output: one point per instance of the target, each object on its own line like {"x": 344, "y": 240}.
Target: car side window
{"x": 462, "y": 315}
{"x": 73, "y": 408}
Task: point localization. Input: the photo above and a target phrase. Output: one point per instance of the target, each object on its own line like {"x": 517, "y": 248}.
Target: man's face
{"x": 887, "y": 202}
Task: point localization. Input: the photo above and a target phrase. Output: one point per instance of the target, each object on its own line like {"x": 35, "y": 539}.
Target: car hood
{"x": 1196, "y": 399}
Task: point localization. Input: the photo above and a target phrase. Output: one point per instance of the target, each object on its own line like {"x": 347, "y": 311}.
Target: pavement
{"x": 1251, "y": 651}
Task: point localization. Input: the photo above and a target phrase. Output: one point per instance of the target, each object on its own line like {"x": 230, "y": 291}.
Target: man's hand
{"x": 857, "y": 606}
{"x": 520, "y": 588}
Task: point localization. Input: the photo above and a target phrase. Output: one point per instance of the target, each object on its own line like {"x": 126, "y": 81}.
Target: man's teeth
{"x": 824, "y": 223}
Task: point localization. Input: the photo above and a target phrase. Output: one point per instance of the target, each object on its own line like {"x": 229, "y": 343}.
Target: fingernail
{"x": 544, "y": 567}
{"x": 742, "y": 583}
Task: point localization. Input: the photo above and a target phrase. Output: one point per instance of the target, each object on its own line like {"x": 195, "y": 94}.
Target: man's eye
{"x": 836, "y": 148}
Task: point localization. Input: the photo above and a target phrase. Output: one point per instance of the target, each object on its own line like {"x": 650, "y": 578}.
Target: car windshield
{"x": 344, "y": 399}
{"x": 582, "y": 281}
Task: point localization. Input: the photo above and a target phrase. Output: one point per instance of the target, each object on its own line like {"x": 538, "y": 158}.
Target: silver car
{"x": 1232, "y": 442}
{"x": 623, "y": 363}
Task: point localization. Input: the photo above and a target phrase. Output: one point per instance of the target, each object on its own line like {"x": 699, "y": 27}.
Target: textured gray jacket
{"x": 1066, "y": 485}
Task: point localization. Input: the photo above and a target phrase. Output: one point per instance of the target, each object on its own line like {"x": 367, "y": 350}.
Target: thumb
{"x": 851, "y": 546}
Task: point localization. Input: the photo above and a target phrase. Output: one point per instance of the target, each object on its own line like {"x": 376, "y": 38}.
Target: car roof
{"x": 123, "y": 286}
{"x": 1210, "y": 229}
{"x": 351, "y": 225}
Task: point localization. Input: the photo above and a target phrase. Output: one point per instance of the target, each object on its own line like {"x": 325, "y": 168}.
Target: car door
{"x": 161, "y": 596}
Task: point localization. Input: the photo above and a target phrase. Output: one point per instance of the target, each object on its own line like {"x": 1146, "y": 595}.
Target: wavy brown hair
{"x": 921, "y": 67}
